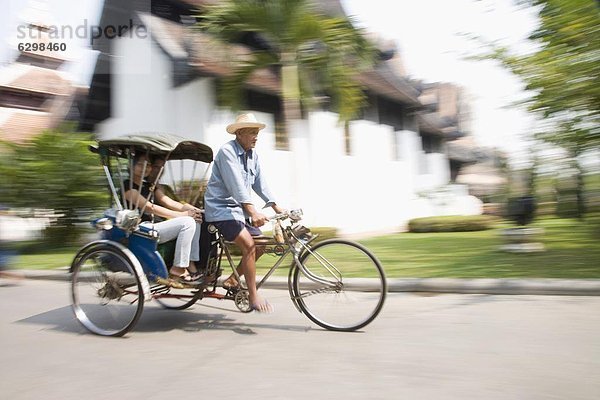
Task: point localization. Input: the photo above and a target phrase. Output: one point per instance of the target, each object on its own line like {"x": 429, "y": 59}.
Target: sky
{"x": 427, "y": 32}
{"x": 430, "y": 35}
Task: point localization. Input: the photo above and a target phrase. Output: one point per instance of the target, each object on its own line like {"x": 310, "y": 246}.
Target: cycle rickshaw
{"x": 338, "y": 284}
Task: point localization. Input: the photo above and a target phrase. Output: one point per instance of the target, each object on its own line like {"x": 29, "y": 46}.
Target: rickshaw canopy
{"x": 172, "y": 146}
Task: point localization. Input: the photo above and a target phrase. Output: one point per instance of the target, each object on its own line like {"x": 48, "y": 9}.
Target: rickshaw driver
{"x": 228, "y": 205}
{"x": 182, "y": 221}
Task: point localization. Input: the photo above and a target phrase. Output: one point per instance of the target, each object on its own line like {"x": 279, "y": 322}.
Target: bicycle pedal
{"x": 232, "y": 291}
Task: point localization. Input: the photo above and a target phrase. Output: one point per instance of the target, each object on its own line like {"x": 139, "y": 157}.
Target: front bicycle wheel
{"x": 343, "y": 287}
{"x": 106, "y": 291}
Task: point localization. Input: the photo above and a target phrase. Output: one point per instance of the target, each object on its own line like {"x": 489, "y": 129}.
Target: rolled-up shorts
{"x": 230, "y": 229}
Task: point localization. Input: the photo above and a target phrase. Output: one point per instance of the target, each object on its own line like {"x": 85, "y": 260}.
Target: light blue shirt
{"x": 235, "y": 174}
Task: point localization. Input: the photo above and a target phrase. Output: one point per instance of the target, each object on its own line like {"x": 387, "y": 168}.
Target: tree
{"x": 562, "y": 75}
{"x": 54, "y": 171}
{"x": 313, "y": 53}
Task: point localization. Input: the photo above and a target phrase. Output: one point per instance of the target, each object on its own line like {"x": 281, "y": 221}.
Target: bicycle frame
{"x": 293, "y": 245}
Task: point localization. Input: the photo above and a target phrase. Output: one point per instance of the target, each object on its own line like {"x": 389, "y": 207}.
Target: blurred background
{"x": 444, "y": 125}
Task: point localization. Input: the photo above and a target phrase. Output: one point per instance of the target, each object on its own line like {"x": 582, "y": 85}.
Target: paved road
{"x": 421, "y": 347}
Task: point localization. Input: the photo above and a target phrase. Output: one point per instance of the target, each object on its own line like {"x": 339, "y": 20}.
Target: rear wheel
{"x": 106, "y": 291}
{"x": 178, "y": 299}
{"x": 343, "y": 287}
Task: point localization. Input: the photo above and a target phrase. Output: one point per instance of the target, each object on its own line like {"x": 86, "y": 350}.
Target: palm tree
{"x": 314, "y": 54}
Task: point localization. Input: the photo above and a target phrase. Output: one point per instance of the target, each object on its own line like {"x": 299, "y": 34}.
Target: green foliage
{"x": 562, "y": 77}
{"x": 594, "y": 225}
{"x": 316, "y": 54}
{"x": 546, "y": 208}
{"x": 54, "y": 171}
{"x": 562, "y": 74}
{"x": 452, "y": 223}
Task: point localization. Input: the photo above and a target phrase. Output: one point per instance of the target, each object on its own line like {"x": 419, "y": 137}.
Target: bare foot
{"x": 230, "y": 282}
{"x": 12, "y": 275}
{"x": 261, "y": 306}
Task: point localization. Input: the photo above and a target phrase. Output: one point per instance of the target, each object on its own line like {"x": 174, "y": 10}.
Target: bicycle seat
{"x": 259, "y": 240}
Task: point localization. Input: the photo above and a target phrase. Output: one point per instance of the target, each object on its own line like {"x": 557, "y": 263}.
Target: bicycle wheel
{"x": 178, "y": 299}
{"x": 107, "y": 292}
{"x": 343, "y": 288}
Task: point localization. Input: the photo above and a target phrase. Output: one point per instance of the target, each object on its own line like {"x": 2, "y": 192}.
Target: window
{"x": 431, "y": 143}
{"x": 38, "y": 61}
{"x": 390, "y": 113}
{"x": 23, "y": 100}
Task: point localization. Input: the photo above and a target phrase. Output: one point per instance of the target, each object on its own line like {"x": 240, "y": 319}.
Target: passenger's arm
{"x": 133, "y": 195}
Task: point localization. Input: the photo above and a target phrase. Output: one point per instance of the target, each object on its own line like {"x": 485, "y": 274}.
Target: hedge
{"x": 324, "y": 233}
{"x": 452, "y": 223}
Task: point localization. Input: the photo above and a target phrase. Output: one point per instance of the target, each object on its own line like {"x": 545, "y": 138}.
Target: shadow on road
{"x": 158, "y": 320}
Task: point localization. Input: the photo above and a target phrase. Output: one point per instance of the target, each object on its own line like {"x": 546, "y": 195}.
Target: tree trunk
{"x": 580, "y": 192}
{"x": 290, "y": 87}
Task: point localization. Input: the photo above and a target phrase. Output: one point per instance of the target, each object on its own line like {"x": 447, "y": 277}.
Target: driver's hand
{"x": 279, "y": 210}
{"x": 258, "y": 219}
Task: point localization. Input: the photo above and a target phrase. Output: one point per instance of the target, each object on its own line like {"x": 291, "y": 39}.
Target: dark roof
{"x": 22, "y": 126}
{"x": 383, "y": 81}
{"x": 40, "y": 80}
{"x": 194, "y": 54}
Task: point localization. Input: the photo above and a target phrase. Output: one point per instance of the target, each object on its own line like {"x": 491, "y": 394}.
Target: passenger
{"x": 181, "y": 221}
{"x": 206, "y": 237}
{"x": 236, "y": 172}
{"x": 6, "y": 252}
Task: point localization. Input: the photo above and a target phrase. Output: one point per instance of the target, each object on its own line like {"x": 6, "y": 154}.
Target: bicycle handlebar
{"x": 294, "y": 215}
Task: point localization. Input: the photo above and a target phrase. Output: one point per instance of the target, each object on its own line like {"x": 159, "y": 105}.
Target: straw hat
{"x": 244, "y": 121}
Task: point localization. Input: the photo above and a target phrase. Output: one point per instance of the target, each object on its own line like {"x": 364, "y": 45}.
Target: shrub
{"x": 593, "y": 222}
{"x": 324, "y": 233}
{"x": 453, "y": 223}
{"x": 54, "y": 171}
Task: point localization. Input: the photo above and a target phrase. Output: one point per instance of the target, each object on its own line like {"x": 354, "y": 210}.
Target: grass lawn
{"x": 47, "y": 260}
{"x": 572, "y": 251}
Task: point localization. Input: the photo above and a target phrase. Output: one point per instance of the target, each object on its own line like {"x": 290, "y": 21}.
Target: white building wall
{"x": 372, "y": 189}
{"x": 140, "y": 101}
{"x": 432, "y": 171}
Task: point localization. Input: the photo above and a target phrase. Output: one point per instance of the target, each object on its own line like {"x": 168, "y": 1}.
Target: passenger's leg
{"x": 183, "y": 229}
{"x": 195, "y": 252}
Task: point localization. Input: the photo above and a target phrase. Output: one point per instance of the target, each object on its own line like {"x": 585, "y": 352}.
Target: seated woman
{"x": 182, "y": 221}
